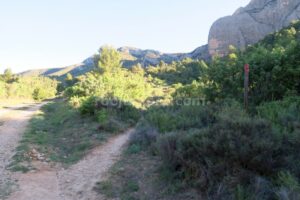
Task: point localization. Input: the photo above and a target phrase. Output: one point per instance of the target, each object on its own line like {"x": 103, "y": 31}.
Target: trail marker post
{"x": 246, "y": 85}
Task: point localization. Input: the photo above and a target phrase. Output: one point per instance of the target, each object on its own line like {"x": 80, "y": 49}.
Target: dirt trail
{"x": 55, "y": 183}
{"x": 78, "y": 181}
{"x": 13, "y": 121}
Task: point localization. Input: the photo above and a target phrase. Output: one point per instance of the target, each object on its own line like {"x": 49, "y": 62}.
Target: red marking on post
{"x": 247, "y": 68}
{"x": 246, "y": 85}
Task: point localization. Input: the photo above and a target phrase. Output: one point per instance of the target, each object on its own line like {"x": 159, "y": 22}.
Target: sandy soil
{"x": 53, "y": 182}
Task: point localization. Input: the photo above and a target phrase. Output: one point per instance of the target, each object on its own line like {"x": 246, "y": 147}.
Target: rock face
{"x": 252, "y": 23}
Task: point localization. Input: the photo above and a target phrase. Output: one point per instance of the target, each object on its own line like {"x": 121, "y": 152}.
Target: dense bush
{"x": 122, "y": 84}
{"x": 144, "y": 136}
{"x": 113, "y": 115}
{"x": 184, "y": 72}
{"x": 226, "y": 153}
{"x": 176, "y": 117}
{"x": 110, "y": 80}
{"x": 112, "y": 94}
{"x": 274, "y": 69}
{"x": 37, "y": 88}
{"x": 285, "y": 118}
{"x": 88, "y": 106}
{"x": 285, "y": 115}
{"x": 229, "y": 148}
{"x": 40, "y": 94}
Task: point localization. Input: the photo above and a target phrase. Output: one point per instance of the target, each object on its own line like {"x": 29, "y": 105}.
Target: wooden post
{"x": 246, "y": 85}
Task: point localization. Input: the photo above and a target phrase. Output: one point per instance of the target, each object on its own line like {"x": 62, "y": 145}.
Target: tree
{"x": 69, "y": 77}
{"x": 138, "y": 69}
{"x": 69, "y": 80}
{"x": 109, "y": 59}
{"x": 8, "y": 75}
{"x": 36, "y": 94}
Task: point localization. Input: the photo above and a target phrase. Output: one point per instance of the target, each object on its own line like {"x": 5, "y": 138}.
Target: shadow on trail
{"x": 22, "y": 108}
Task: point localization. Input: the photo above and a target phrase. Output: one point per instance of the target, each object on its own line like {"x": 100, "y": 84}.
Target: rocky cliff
{"x": 252, "y": 23}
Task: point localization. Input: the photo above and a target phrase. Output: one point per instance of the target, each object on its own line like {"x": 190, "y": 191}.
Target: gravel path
{"x": 13, "y": 122}
{"x": 52, "y": 182}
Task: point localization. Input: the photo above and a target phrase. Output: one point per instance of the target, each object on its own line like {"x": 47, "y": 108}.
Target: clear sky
{"x": 55, "y": 33}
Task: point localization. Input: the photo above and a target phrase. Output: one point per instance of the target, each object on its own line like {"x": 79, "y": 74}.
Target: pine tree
{"x": 109, "y": 59}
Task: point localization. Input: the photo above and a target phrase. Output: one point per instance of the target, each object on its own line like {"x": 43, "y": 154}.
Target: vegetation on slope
{"x": 112, "y": 82}
{"x": 218, "y": 148}
{"x": 28, "y": 88}
{"x": 66, "y": 129}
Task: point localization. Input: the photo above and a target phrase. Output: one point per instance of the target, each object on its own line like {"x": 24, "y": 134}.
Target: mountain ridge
{"x": 130, "y": 56}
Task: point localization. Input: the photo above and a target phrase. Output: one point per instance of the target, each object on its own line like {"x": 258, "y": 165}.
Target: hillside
{"x": 76, "y": 70}
{"x": 130, "y": 57}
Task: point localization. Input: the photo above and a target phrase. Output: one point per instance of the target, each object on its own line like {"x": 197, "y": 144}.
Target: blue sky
{"x": 55, "y": 33}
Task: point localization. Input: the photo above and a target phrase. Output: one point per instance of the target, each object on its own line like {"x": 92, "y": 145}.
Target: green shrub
{"x": 242, "y": 145}
{"x": 289, "y": 187}
{"x": 76, "y": 101}
{"x": 113, "y": 115}
{"x": 37, "y": 88}
{"x": 39, "y": 94}
{"x": 184, "y": 72}
{"x": 134, "y": 149}
{"x": 285, "y": 114}
{"x": 129, "y": 113}
{"x": 285, "y": 118}
{"x": 161, "y": 119}
{"x": 112, "y": 126}
{"x": 286, "y": 179}
{"x": 168, "y": 147}
{"x": 120, "y": 84}
{"x": 102, "y": 116}
{"x": 172, "y": 118}
{"x": 144, "y": 136}
{"x": 88, "y": 106}
{"x": 229, "y": 156}
{"x": 228, "y": 153}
